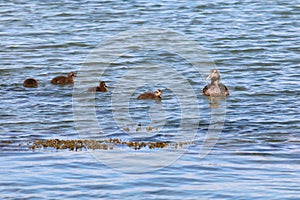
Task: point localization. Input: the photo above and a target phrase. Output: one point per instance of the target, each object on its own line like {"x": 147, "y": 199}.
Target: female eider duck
{"x": 30, "y": 83}
{"x": 215, "y": 88}
{"x": 151, "y": 95}
{"x": 63, "y": 79}
{"x": 101, "y": 88}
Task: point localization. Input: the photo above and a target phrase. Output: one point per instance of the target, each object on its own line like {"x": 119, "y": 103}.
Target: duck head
{"x": 102, "y": 84}
{"x": 71, "y": 74}
{"x": 214, "y": 75}
{"x": 158, "y": 93}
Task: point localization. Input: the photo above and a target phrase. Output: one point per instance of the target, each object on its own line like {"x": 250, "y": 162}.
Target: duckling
{"x": 63, "y": 79}
{"x": 139, "y": 128}
{"x": 151, "y": 95}
{"x": 215, "y": 88}
{"x": 30, "y": 83}
{"x": 101, "y": 88}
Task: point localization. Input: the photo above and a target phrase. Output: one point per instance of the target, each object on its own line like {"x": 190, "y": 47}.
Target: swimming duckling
{"x": 215, "y": 88}
{"x": 101, "y": 88}
{"x": 139, "y": 128}
{"x": 63, "y": 79}
{"x": 151, "y": 95}
{"x": 30, "y": 83}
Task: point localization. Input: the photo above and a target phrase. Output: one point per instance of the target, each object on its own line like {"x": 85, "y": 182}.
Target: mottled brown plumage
{"x": 151, "y": 95}
{"x": 30, "y": 83}
{"x": 64, "y": 79}
{"x": 101, "y": 88}
{"x": 215, "y": 88}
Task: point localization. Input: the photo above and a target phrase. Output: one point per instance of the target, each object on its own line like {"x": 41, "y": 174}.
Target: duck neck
{"x": 215, "y": 82}
{"x": 70, "y": 78}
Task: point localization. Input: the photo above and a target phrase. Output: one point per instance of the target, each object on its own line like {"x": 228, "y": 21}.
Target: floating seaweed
{"x": 78, "y": 144}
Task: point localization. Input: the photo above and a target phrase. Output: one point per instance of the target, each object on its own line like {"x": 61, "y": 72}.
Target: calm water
{"x": 255, "y": 46}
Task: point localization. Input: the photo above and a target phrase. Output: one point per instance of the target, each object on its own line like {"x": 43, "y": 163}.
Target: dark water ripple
{"x": 255, "y": 45}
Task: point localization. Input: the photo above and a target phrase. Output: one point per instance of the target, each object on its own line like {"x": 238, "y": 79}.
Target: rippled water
{"x": 255, "y": 46}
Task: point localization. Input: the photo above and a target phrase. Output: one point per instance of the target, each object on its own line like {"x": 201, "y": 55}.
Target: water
{"x": 255, "y": 46}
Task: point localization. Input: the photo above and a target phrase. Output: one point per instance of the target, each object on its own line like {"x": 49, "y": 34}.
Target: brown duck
{"x": 30, "y": 83}
{"x": 64, "y": 79}
{"x": 151, "y": 95}
{"x": 101, "y": 88}
{"x": 215, "y": 88}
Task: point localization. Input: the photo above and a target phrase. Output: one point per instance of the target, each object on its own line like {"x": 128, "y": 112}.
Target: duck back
{"x": 101, "y": 88}
{"x": 149, "y": 95}
{"x": 63, "y": 79}
{"x": 30, "y": 83}
{"x": 212, "y": 90}
{"x": 59, "y": 80}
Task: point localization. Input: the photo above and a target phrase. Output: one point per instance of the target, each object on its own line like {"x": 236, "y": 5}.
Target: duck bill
{"x": 208, "y": 77}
